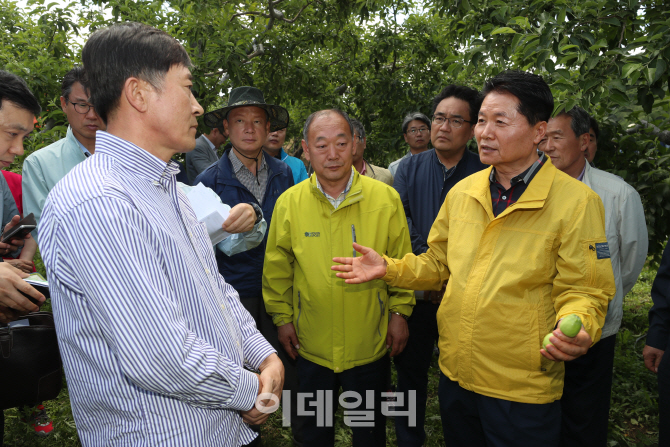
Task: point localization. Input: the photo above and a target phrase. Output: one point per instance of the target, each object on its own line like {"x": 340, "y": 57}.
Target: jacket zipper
{"x": 381, "y": 314}
{"x": 299, "y": 313}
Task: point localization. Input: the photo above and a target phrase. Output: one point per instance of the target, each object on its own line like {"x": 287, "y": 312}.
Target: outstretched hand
{"x": 360, "y": 269}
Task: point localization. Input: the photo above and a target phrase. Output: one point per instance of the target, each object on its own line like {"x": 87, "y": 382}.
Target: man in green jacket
{"x": 339, "y": 332}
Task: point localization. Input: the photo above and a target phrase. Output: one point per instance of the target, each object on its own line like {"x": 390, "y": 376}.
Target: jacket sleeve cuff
{"x": 658, "y": 339}
{"x": 281, "y": 319}
{"x": 391, "y": 270}
{"x": 257, "y": 349}
{"x": 245, "y": 395}
{"x": 405, "y": 309}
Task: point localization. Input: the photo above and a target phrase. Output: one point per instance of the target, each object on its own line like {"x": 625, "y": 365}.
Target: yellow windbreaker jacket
{"x": 339, "y": 325}
{"x": 511, "y": 278}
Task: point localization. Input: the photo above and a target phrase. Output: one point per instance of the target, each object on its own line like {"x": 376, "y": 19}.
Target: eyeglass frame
{"x": 413, "y": 130}
{"x": 449, "y": 120}
{"x": 80, "y": 104}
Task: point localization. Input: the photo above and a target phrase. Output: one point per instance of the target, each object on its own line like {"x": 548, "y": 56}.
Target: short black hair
{"x": 594, "y": 125}
{"x": 535, "y": 100}
{"x": 308, "y": 121}
{"x": 358, "y": 128}
{"x": 467, "y": 94}
{"x": 112, "y": 55}
{"x": 418, "y": 116}
{"x": 579, "y": 120}
{"x": 77, "y": 74}
{"x": 15, "y": 90}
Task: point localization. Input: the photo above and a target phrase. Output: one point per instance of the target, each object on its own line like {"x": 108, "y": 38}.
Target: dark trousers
{"x": 266, "y": 327}
{"x": 473, "y": 420}
{"x": 412, "y": 366}
{"x": 664, "y": 400}
{"x": 585, "y": 404}
{"x": 365, "y": 380}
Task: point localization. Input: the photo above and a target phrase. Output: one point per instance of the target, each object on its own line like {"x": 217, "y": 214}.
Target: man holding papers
{"x": 156, "y": 347}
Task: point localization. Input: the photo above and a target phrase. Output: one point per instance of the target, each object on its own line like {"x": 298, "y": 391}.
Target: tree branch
{"x": 298, "y": 14}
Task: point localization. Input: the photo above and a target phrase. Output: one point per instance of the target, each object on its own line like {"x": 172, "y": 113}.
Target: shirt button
{"x": 337, "y": 369}
{"x": 207, "y": 271}
{"x": 504, "y": 197}
{"x": 223, "y": 307}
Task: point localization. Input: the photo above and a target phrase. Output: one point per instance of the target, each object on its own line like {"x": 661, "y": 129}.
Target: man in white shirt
{"x": 588, "y": 379}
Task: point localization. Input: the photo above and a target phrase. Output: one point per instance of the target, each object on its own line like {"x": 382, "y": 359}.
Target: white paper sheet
{"x": 209, "y": 210}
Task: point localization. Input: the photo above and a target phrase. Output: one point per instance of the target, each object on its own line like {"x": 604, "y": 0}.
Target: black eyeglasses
{"x": 456, "y": 123}
{"x": 81, "y": 107}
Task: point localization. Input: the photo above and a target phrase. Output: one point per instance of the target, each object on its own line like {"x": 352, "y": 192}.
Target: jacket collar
{"x": 282, "y": 155}
{"x": 588, "y": 171}
{"x": 355, "y": 192}
{"x": 533, "y": 198}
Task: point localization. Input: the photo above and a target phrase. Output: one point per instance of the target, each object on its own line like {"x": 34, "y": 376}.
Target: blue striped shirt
{"x": 154, "y": 341}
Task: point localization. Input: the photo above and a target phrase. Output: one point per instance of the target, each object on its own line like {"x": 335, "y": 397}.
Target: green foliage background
{"x": 380, "y": 59}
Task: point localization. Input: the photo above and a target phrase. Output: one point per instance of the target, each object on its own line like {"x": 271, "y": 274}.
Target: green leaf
{"x": 567, "y": 47}
{"x": 503, "y": 30}
{"x": 628, "y": 69}
{"x": 612, "y": 21}
{"x": 561, "y": 17}
{"x": 660, "y": 70}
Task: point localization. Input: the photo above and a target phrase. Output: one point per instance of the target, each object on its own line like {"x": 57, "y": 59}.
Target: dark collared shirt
{"x": 501, "y": 198}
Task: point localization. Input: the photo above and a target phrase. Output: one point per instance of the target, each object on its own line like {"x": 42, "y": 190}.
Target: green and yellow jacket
{"x": 339, "y": 325}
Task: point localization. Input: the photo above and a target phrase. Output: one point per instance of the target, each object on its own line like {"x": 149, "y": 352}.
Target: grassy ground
{"x": 633, "y": 413}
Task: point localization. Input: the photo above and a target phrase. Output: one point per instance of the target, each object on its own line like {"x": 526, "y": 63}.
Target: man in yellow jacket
{"x": 522, "y": 245}
{"x": 339, "y": 332}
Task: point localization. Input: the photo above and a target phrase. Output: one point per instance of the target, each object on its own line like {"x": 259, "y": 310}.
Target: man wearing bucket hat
{"x": 246, "y": 174}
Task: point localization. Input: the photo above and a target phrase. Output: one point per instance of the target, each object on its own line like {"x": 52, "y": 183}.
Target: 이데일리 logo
{"x": 312, "y": 234}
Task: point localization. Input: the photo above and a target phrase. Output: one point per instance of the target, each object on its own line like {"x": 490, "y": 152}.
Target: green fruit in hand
{"x": 570, "y": 325}
{"x": 546, "y": 341}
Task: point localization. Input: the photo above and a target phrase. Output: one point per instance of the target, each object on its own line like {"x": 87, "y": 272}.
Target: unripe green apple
{"x": 546, "y": 341}
{"x": 570, "y": 325}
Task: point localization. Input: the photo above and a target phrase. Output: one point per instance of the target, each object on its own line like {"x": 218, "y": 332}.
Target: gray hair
{"x": 308, "y": 122}
{"x": 414, "y": 116}
{"x": 580, "y": 122}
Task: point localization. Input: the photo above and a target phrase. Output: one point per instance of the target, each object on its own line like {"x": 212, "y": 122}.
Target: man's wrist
{"x": 405, "y": 317}
{"x": 259, "y": 212}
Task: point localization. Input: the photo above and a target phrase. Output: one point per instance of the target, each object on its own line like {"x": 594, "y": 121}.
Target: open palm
{"x": 361, "y": 269}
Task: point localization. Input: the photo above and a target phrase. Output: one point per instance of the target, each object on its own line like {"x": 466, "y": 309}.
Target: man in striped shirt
{"x": 154, "y": 341}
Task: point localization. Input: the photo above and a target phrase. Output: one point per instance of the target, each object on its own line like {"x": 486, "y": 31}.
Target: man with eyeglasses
{"x": 416, "y": 131}
{"x": 44, "y": 168}
{"x": 423, "y": 182}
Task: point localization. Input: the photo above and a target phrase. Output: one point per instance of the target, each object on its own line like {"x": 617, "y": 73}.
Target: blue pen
{"x": 353, "y": 236}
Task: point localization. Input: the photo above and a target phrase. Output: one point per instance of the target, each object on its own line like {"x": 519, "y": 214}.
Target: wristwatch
{"x": 259, "y": 212}
{"x": 404, "y": 316}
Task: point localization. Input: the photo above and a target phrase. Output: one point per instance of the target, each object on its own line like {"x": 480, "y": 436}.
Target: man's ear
{"x": 584, "y": 141}
{"x": 305, "y": 150}
{"x": 540, "y": 130}
{"x": 63, "y": 104}
{"x": 267, "y": 127}
{"x": 136, "y": 92}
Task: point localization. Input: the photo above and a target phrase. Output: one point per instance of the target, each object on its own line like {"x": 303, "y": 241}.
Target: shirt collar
{"x": 527, "y": 175}
{"x": 238, "y": 165}
{"x": 581, "y": 176}
{"x": 211, "y": 145}
{"x": 86, "y": 152}
{"x": 346, "y": 188}
{"x": 134, "y": 158}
